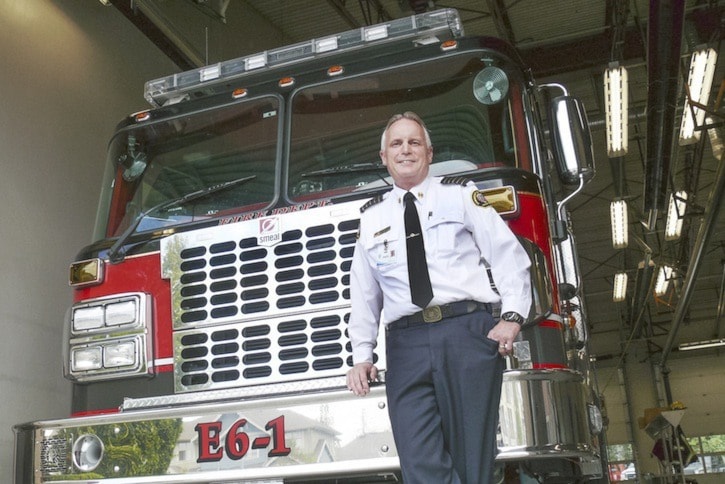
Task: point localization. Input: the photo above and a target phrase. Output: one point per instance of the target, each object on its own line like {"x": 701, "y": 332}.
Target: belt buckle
{"x": 432, "y": 314}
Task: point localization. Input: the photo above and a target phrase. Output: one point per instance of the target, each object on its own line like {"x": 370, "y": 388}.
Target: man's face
{"x": 406, "y": 154}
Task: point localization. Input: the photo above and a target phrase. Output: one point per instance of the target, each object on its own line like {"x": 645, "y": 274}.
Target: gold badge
{"x": 479, "y": 199}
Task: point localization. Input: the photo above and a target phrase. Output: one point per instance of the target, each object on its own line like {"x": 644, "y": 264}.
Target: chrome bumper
{"x": 310, "y": 436}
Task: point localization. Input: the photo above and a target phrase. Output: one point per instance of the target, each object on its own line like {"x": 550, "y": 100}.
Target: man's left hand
{"x": 505, "y": 332}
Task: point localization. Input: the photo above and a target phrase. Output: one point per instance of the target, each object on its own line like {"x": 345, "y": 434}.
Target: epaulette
{"x": 455, "y": 180}
{"x": 373, "y": 201}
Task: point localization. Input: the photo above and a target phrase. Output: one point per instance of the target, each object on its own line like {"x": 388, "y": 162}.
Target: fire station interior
{"x": 73, "y": 69}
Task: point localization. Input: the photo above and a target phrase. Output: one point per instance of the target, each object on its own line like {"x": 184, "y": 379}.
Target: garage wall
{"x": 71, "y": 69}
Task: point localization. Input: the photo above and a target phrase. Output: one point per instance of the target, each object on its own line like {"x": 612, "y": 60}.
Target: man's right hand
{"x": 360, "y": 376}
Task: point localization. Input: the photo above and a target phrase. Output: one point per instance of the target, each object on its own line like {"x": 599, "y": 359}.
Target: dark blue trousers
{"x": 443, "y": 383}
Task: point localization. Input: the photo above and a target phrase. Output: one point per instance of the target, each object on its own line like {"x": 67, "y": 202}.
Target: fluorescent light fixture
{"x": 616, "y": 104}
{"x": 700, "y": 345}
{"x": 620, "y": 287}
{"x": 620, "y": 226}
{"x": 663, "y": 280}
{"x": 702, "y": 71}
{"x": 675, "y": 215}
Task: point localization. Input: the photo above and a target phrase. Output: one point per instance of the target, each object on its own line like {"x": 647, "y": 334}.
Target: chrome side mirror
{"x": 571, "y": 140}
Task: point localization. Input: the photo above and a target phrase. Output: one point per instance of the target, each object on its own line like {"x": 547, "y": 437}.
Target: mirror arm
{"x": 560, "y": 227}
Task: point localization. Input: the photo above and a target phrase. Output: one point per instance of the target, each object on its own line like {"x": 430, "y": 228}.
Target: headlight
{"x": 106, "y": 314}
{"x": 121, "y": 313}
{"x": 87, "y": 358}
{"x": 120, "y": 354}
{"x": 110, "y": 337}
{"x": 104, "y": 357}
{"x": 85, "y": 319}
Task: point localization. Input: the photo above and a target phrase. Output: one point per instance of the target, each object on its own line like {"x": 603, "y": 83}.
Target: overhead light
{"x": 620, "y": 227}
{"x": 702, "y": 71}
{"x": 107, "y": 3}
{"x": 620, "y": 287}
{"x": 700, "y": 345}
{"x": 663, "y": 280}
{"x": 675, "y": 215}
{"x": 616, "y": 104}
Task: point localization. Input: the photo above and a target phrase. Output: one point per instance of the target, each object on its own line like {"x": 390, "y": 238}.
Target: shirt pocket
{"x": 443, "y": 229}
{"x": 386, "y": 254}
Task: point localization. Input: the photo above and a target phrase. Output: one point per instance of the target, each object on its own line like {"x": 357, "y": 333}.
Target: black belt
{"x": 433, "y": 314}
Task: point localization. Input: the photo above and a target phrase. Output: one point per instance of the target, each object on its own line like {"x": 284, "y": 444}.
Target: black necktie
{"x": 420, "y": 289}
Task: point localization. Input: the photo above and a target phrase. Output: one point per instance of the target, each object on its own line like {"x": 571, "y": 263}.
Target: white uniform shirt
{"x": 461, "y": 239}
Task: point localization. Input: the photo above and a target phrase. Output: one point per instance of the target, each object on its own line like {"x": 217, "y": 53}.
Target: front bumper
{"x": 301, "y": 438}
{"x": 308, "y": 437}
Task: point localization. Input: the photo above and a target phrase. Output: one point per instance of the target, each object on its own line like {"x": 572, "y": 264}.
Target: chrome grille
{"x": 262, "y": 301}
{"x": 303, "y": 346}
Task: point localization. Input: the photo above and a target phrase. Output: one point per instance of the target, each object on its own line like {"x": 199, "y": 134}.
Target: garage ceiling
{"x": 571, "y": 42}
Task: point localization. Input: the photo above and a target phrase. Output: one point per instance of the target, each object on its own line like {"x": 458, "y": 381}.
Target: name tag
{"x": 386, "y": 254}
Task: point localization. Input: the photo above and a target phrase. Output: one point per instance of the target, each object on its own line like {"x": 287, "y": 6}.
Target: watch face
{"x": 512, "y": 317}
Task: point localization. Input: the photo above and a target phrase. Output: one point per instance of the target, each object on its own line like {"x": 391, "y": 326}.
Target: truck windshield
{"x": 158, "y": 162}
{"x": 471, "y": 104}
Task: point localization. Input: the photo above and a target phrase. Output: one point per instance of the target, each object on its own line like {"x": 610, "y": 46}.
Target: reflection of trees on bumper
{"x": 135, "y": 448}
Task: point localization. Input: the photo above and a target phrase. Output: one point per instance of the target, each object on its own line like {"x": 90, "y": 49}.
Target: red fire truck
{"x": 207, "y": 339}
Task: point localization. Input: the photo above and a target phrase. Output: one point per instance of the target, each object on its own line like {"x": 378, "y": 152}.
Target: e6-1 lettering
{"x": 237, "y": 442}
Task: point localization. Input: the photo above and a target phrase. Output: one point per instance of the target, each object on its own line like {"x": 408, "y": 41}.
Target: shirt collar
{"x": 419, "y": 190}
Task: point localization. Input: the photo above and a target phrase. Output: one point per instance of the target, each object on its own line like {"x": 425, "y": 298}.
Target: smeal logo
{"x": 269, "y": 231}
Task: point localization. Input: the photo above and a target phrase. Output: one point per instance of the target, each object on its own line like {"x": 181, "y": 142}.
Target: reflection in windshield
{"x": 117, "y": 252}
{"x": 157, "y": 163}
{"x": 336, "y": 127}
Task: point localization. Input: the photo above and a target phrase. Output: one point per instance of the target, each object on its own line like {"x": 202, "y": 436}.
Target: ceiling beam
{"x": 583, "y": 53}
{"x": 344, "y": 13}
{"x": 595, "y": 51}
{"x": 501, "y": 20}
{"x": 159, "y": 38}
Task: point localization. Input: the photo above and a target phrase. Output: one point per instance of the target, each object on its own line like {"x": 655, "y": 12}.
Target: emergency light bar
{"x": 176, "y": 86}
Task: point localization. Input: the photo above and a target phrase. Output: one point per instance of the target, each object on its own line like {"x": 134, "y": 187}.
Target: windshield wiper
{"x": 356, "y": 168}
{"x": 116, "y": 253}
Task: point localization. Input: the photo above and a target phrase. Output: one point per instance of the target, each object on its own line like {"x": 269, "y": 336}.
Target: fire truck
{"x": 207, "y": 339}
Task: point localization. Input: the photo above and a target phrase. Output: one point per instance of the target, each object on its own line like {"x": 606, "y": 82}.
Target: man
{"x": 444, "y": 351}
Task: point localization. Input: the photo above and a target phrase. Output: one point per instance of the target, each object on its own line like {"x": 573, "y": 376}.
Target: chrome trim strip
{"x": 348, "y": 468}
{"x": 162, "y": 362}
{"x": 237, "y": 394}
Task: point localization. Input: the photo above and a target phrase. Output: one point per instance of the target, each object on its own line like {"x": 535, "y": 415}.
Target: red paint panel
{"x": 549, "y": 366}
{"x": 533, "y": 224}
{"x": 99, "y": 411}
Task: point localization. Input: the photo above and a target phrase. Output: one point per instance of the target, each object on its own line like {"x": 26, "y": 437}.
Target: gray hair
{"x": 406, "y": 115}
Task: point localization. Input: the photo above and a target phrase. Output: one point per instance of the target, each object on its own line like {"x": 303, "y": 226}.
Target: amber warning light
{"x": 86, "y": 272}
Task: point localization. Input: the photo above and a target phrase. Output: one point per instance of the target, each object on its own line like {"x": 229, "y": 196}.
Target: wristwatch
{"x": 513, "y": 317}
